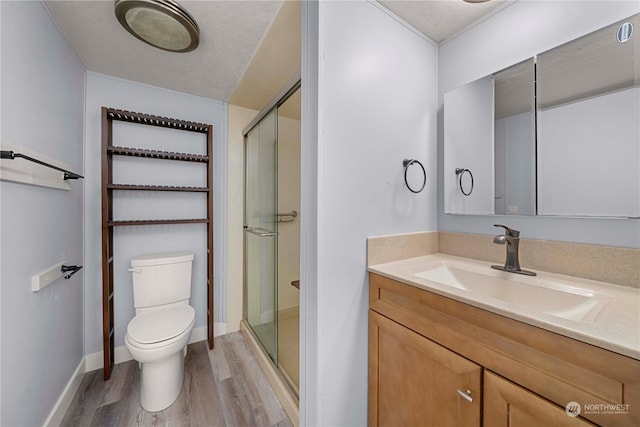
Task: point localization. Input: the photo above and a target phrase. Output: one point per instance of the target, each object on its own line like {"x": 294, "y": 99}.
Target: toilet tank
{"x": 161, "y": 278}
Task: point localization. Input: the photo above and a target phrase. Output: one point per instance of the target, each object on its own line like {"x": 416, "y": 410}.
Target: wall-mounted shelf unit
{"x": 109, "y": 150}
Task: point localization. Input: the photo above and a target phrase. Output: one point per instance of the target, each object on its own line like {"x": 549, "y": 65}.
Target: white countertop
{"x": 616, "y": 327}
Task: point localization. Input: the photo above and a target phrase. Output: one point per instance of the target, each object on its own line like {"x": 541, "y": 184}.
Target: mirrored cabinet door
{"x": 515, "y": 142}
{"x": 558, "y": 134}
{"x": 589, "y": 124}
{"x": 468, "y": 140}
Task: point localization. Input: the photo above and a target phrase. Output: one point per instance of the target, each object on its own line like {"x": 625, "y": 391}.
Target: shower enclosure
{"x": 272, "y": 232}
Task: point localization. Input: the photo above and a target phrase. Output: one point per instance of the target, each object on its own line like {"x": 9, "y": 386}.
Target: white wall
{"x": 239, "y": 118}
{"x": 604, "y": 180}
{"x": 469, "y": 142}
{"x": 42, "y": 110}
{"x": 131, "y": 241}
{"x": 515, "y": 188}
{"x": 518, "y": 32}
{"x": 375, "y": 98}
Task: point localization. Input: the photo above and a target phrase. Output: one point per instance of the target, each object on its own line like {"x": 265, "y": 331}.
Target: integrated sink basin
{"x": 554, "y": 297}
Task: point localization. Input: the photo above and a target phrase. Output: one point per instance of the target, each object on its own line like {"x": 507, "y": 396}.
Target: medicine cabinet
{"x": 557, "y": 134}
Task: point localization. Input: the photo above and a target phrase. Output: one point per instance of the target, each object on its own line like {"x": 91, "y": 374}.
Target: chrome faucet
{"x": 512, "y": 240}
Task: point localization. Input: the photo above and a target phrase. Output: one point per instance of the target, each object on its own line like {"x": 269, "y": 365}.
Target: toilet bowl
{"x": 157, "y": 340}
{"x": 158, "y": 335}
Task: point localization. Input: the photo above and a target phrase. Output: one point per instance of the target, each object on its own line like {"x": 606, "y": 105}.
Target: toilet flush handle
{"x": 135, "y": 270}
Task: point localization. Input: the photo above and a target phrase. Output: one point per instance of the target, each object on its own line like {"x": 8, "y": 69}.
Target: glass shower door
{"x": 261, "y": 232}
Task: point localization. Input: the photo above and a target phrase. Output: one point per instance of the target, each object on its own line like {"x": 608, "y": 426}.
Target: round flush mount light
{"x": 160, "y": 23}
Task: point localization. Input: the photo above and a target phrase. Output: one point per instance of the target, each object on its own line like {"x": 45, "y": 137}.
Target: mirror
{"x": 562, "y": 136}
{"x": 468, "y": 141}
{"x": 514, "y": 140}
{"x": 588, "y": 132}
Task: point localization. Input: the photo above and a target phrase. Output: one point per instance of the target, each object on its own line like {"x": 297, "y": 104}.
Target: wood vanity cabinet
{"x": 434, "y": 361}
{"x": 507, "y": 404}
{"x": 417, "y": 381}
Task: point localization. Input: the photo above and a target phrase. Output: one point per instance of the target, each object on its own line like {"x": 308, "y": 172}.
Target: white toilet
{"x": 158, "y": 334}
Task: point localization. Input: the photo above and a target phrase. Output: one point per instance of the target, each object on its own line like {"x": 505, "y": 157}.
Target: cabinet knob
{"x": 465, "y": 395}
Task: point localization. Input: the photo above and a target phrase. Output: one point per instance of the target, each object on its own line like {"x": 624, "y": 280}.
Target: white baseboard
{"x": 94, "y": 361}
{"x": 121, "y": 354}
{"x": 60, "y": 408}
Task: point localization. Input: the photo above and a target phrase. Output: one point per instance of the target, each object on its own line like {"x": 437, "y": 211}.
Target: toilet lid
{"x": 161, "y": 325}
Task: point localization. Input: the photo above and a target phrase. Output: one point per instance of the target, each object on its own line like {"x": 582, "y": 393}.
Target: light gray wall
{"x": 42, "y": 110}
{"x": 514, "y": 165}
{"x": 514, "y": 34}
{"x": 131, "y": 241}
{"x": 375, "y": 107}
{"x": 606, "y": 178}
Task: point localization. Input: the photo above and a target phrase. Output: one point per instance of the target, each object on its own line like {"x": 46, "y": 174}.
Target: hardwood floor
{"x": 221, "y": 387}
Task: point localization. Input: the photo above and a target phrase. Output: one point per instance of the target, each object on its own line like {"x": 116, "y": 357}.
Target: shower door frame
{"x": 260, "y": 232}
{"x": 292, "y": 86}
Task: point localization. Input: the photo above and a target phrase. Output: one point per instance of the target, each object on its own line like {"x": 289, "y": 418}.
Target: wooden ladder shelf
{"x": 109, "y": 115}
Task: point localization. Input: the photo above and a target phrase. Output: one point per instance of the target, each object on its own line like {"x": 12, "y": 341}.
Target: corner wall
{"x": 375, "y": 103}
{"x": 42, "y": 110}
{"x": 239, "y": 118}
{"x": 131, "y": 241}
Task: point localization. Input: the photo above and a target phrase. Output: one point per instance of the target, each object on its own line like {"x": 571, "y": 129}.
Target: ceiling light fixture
{"x": 160, "y": 23}
{"x": 476, "y": 1}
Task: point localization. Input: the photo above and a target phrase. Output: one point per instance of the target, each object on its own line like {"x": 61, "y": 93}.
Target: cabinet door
{"x": 416, "y": 382}
{"x": 509, "y": 405}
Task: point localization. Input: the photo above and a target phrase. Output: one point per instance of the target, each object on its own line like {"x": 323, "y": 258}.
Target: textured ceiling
{"x": 248, "y": 49}
{"x": 441, "y": 20}
{"x": 231, "y": 31}
{"x": 275, "y": 62}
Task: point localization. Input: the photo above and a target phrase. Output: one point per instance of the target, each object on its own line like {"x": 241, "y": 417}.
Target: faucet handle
{"x": 510, "y": 231}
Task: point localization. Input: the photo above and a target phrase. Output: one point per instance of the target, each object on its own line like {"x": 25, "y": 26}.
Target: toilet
{"x": 157, "y": 336}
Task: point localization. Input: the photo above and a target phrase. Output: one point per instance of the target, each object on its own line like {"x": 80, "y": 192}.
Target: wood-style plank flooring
{"x": 222, "y": 387}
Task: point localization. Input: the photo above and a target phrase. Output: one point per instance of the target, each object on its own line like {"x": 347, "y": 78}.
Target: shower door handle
{"x": 261, "y": 232}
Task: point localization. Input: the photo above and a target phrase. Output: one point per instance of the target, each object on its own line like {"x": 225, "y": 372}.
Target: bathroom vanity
{"x": 443, "y": 353}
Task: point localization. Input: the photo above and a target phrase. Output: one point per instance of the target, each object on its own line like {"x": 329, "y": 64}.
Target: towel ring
{"x": 460, "y": 172}
{"x": 408, "y": 162}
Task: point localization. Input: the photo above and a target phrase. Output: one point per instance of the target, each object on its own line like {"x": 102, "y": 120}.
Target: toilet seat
{"x": 161, "y": 327}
